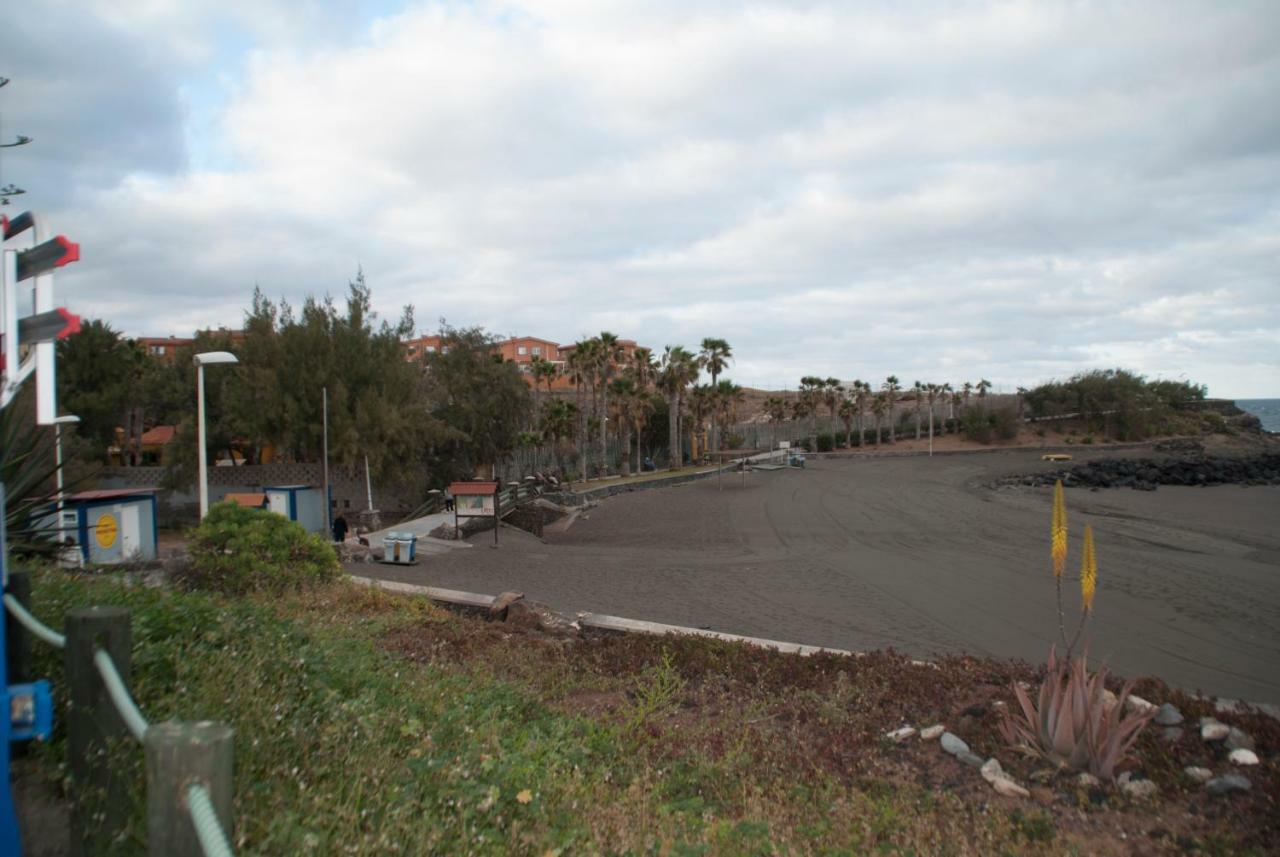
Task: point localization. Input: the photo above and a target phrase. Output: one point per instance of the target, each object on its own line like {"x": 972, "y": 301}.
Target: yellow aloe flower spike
{"x": 1059, "y": 530}
{"x": 1088, "y": 571}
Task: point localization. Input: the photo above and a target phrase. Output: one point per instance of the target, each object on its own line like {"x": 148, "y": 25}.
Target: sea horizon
{"x": 1266, "y": 410}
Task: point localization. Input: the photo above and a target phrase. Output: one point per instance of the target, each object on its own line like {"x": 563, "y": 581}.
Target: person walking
{"x": 339, "y": 529}
{"x": 448, "y": 500}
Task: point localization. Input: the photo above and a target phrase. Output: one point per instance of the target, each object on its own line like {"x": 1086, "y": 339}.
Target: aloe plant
{"x": 1073, "y": 723}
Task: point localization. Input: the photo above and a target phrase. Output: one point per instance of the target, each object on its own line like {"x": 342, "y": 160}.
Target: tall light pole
{"x": 70, "y": 419}
{"x": 207, "y": 358}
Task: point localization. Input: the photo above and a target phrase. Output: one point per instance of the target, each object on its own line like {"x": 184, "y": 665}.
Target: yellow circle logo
{"x": 106, "y": 530}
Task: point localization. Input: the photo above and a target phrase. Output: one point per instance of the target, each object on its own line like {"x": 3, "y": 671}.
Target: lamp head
{"x": 211, "y": 357}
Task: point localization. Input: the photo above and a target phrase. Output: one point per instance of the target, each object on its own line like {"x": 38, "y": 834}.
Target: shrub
{"x": 1005, "y": 422}
{"x": 237, "y": 549}
{"x": 976, "y": 424}
{"x": 825, "y": 443}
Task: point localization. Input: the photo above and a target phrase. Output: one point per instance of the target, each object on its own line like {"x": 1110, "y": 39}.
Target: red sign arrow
{"x": 43, "y": 258}
{"x": 48, "y": 326}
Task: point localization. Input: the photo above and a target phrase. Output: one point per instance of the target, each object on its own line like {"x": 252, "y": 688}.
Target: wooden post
{"x": 99, "y": 791}
{"x": 17, "y": 643}
{"x": 178, "y": 755}
{"x": 17, "y": 640}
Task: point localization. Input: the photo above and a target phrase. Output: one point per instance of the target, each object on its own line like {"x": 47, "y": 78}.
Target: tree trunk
{"x": 583, "y": 440}
{"x": 917, "y": 422}
{"x": 893, "y": 435}
{"x": 604, "y": 428}
{"x": 877, "y": 429}
{"x": 673, "y": 431}
{"x": 626, "y": 447}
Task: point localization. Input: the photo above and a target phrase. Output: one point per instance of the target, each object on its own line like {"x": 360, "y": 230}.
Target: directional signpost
{"x": 28, "y": 348}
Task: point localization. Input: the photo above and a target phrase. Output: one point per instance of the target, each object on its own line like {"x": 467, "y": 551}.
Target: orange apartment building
{"x": 165, "y": 347}
{"x": 521, "y": 350}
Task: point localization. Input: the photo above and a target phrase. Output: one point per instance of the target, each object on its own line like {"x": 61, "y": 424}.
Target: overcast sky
{"x": 1015, "y": 191}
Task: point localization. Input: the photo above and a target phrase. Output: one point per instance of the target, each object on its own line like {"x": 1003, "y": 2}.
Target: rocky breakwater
{"x": 1146, "y": 474}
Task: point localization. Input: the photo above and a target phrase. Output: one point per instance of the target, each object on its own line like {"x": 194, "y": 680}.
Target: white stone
{"x": 1200, "y": 775}
{"x": 932, "y": 732}
{"x": 953, "y": 744}
{"x": 1108, "y": 699}
{"x": 991, "y": 770}
{"x": 1243, "y": 757}
{"x": 1140, "y": 788}
{"x": 1137, "y": 703}
{"x": 1009, "y": 788}
{"x": 897, "y": 736}
{"x": 1214, "y": 731}
{"x": 1088, "y": 780}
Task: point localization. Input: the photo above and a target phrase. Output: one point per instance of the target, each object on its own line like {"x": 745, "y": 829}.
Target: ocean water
{"x": 1267, "y": 410}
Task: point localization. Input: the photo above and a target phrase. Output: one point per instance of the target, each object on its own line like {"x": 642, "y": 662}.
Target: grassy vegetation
{"x": 375, "y": 724}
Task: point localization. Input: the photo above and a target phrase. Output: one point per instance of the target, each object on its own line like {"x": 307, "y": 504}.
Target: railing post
{"x": 17, "y": 643}
{"x": 99, "y": 796}
{"x": 179, "y": 754}
{"x": 17, "y": 640}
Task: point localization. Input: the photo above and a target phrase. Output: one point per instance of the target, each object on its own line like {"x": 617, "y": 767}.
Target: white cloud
{"x": 1005, "y": 190}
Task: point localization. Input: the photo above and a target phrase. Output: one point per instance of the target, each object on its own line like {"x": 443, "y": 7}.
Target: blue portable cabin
{"x": 113, "y": 525}
{"x": 302, "y": 503}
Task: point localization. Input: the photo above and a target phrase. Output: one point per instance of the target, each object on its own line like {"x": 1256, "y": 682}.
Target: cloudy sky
{"x": 1014, "y": 191}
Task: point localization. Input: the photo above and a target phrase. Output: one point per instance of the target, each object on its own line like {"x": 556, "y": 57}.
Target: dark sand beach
{"x": 920, "y": 555}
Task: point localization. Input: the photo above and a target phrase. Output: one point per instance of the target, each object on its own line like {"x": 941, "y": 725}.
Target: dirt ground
{"x": 918, "y": 554}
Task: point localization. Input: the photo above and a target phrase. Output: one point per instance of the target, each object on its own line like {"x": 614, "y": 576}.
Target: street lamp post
{"x": 207, "y": 358}
{"x": 70, "y": 419}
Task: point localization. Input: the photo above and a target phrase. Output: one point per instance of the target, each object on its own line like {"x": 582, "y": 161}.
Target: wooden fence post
{"x": 99, "y": 797}
{"x": 17, "y": 643}
{"x": 17, "y": 640}
{"x": 179, "y": 754}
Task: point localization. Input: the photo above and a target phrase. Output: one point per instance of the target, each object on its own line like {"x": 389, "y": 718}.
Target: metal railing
{"x": 187, "y": 764}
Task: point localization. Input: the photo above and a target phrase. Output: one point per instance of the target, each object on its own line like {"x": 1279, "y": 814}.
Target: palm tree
{"x": 968, "y": 389}
{"x": 623, "y": 390}
{"x": 891, "y": 388}
{"x": 879, "y": 404}
{"x": 727, "y": 397}
{"x": 918, "y": 389}
{"x": 701, "y": 403}
{"x": 983, "y": 386}
{"x": 861, "y": 391}
{"x": 832, "y": 393}
{"x": 639, "y": 408}
{"x": 932, "y": 392}
{"x": 715, "y": 356}
{"x": 776, "y": 408}
{"x": 608, "y": 355}
{"x": 847, "y": 411}
{"x": 558, "y": 420}
{"x": 944, "y": 395}
{"x": 810, "y": 393}
{"x": 679, "y": 369}
{"x": 581, "y": 358}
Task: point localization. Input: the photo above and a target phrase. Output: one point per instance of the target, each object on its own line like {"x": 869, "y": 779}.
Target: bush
{"x": 236, "y": 550}
{"x": 976, "y": 424}
{"x": 1087, "y": 439}
{"x": 1005, "y": 422}
{"x": 825, "y": 443}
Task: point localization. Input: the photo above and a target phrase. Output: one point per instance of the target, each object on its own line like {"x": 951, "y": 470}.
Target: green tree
{"x": 715, "y": 356}
{"x": 679, "y": 370}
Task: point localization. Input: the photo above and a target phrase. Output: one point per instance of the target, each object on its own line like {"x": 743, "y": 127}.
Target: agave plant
{"x": 1074, "y": 723}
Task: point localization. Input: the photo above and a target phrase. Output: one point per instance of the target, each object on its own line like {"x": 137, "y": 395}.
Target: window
{"x": 444, "y": 349}
{"x": 521, "y": 350}
{"x": 431, "y": 349}
{"x": 537, "y": 350}
{"x": 157, "y": 351}
{"x": 413, "y": 349}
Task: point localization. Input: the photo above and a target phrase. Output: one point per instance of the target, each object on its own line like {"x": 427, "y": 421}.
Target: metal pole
{"x": 204, "y": 467}
{"x": 368, "y": 483}
{"x": 57, "y": 455}
{"x": 328, "y": 501}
